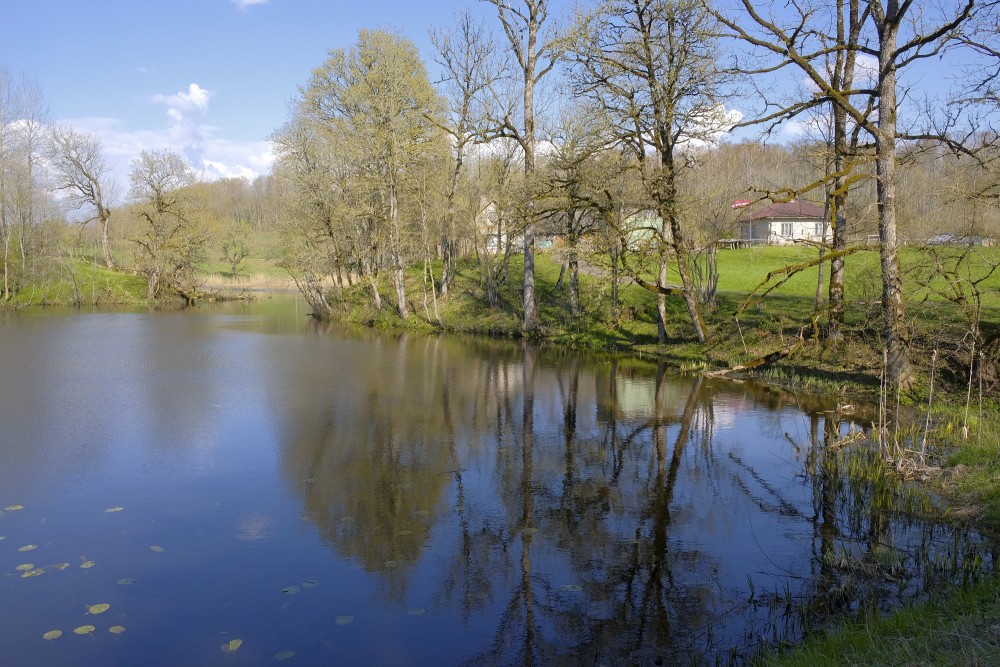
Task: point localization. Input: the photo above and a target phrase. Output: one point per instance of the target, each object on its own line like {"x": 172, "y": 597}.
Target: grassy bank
{"x": 957, "y": 628}
{"x": 73, "y": 282}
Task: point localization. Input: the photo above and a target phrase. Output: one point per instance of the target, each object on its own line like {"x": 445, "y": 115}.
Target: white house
{"x": 783, "y": 223}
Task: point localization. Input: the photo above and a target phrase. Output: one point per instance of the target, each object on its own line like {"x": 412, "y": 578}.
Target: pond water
{"x": 241, "y": 485}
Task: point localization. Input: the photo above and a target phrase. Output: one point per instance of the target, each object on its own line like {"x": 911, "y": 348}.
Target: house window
{"x": 786, "y": 229}
{"x": 819, "y": 230}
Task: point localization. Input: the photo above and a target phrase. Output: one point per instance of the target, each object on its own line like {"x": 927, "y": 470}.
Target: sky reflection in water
{"x": 358, "y": 498}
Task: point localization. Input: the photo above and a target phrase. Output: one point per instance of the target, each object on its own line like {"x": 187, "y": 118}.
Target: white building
{"x": 784, "y": 223}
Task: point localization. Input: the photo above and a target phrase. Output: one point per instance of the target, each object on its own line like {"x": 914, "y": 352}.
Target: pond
{"x": 235, "y": 483}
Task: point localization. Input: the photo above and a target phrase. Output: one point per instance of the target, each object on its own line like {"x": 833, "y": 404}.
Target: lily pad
{"x": 32, "y": 573}
{"x": 157, "y": 549}
{"x": 84, "y": 629}
{"x": 116, "y": 629}
{"x": 24, "y": 567}
{"x": 87, "y": 564}
{"x": 232, "y": 645}
{"x": 345, "y": 620}
{"x": 98, "y": 608}
{"x": 127, "y": 581}
{"x": 27, "y": 547}
{"x": 284, "y": 655}
{"x": 13, "y": 508}
{"x": 310, "y": 583}
{"x": 290, "y": 590}
{"x": 52, "y": 634}
{"x": 61, "y": 566}
{"x": 114, "y": 509}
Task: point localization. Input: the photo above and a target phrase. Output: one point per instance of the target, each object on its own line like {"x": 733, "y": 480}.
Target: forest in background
{"x": 608, "y": 132}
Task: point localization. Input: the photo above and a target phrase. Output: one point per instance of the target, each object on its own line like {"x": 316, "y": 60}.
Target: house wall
{"x": 784, "y": 231}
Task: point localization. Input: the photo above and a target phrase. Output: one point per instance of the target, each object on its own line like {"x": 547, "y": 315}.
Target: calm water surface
{"x": 235, "y": 473}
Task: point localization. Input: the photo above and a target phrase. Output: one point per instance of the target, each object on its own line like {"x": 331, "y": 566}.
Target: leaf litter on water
{"x": 232, "y": 645}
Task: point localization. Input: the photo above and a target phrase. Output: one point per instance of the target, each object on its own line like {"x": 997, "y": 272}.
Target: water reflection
{"x": 603, "y": 510}
{"x": 464, "y": 501}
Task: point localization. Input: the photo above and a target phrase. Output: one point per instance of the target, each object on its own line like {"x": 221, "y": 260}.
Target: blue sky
{"x": 210, "y": 79}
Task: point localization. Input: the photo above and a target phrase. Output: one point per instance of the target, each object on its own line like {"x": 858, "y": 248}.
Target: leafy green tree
{"x": 375, "y": 104}
{"x": 170, "y": 241}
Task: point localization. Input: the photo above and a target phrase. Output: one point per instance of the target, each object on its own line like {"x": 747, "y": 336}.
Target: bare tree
{"x": 535, "y": 53}
{"x": 650, "y": 64}
{"x": 467, "y": 56}
{"x": 83, "y": 174}
{"x": 900, "y": 35}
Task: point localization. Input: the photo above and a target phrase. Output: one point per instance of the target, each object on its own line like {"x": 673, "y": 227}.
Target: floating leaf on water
{"x": 390, "y": 564}
{"x": 33, "y": 573}
{"x": 114, "y": 509}
{"x": 61, "y": 566}
{"x": 13, "y": 508}
{"x": 156, "y": 548}
{"x": 87, "y": 564}
{"x": 23, "y": 567}
{"x": 290, "y": 590}
{"x": 27, "y": 547}
{"x": 127, "y": 581}
{"x": 232, "y": 645}
{"x": 84, "y": 629}
{"x": 572, "y": 588}
{"x": 2, "y": 538}
{"x": 116, "y": 629}
{"x": 98, "y": 608}
{"x": 52, "y": 634}
{"x": 345, "y": 620}
{"x": 418, "y": 611}
{"x": 284, "y": 655}
{"x": 310, "y": 583}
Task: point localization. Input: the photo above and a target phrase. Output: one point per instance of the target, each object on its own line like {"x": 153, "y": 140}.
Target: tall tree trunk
{"x": 531, "y": 324}
{"x": 894, "y": 329}
{"x": 398, "y": 276}
{"x": 109, "y": 261}
{"x": 447, "y": 275}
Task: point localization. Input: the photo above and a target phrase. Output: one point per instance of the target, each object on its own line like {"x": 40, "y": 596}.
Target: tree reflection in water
{"x": 602, "y": 510}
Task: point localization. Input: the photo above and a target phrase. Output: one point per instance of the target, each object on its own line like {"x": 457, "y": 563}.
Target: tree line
{"x": 610, "y": 127}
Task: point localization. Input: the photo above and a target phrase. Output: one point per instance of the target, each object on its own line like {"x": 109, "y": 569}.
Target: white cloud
{"x": 217, "y": 157}
{"x": 195, "y": 99}
{"x": 244, "y": 4}
{"x": 185, "y": 109}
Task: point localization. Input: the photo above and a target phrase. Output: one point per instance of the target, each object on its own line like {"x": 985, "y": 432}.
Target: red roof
{"x": 792, "y": 209}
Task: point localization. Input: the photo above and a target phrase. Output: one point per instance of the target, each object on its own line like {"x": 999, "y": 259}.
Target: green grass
{"x": 960, "y": 627}
{"x": 75, "y": 282}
